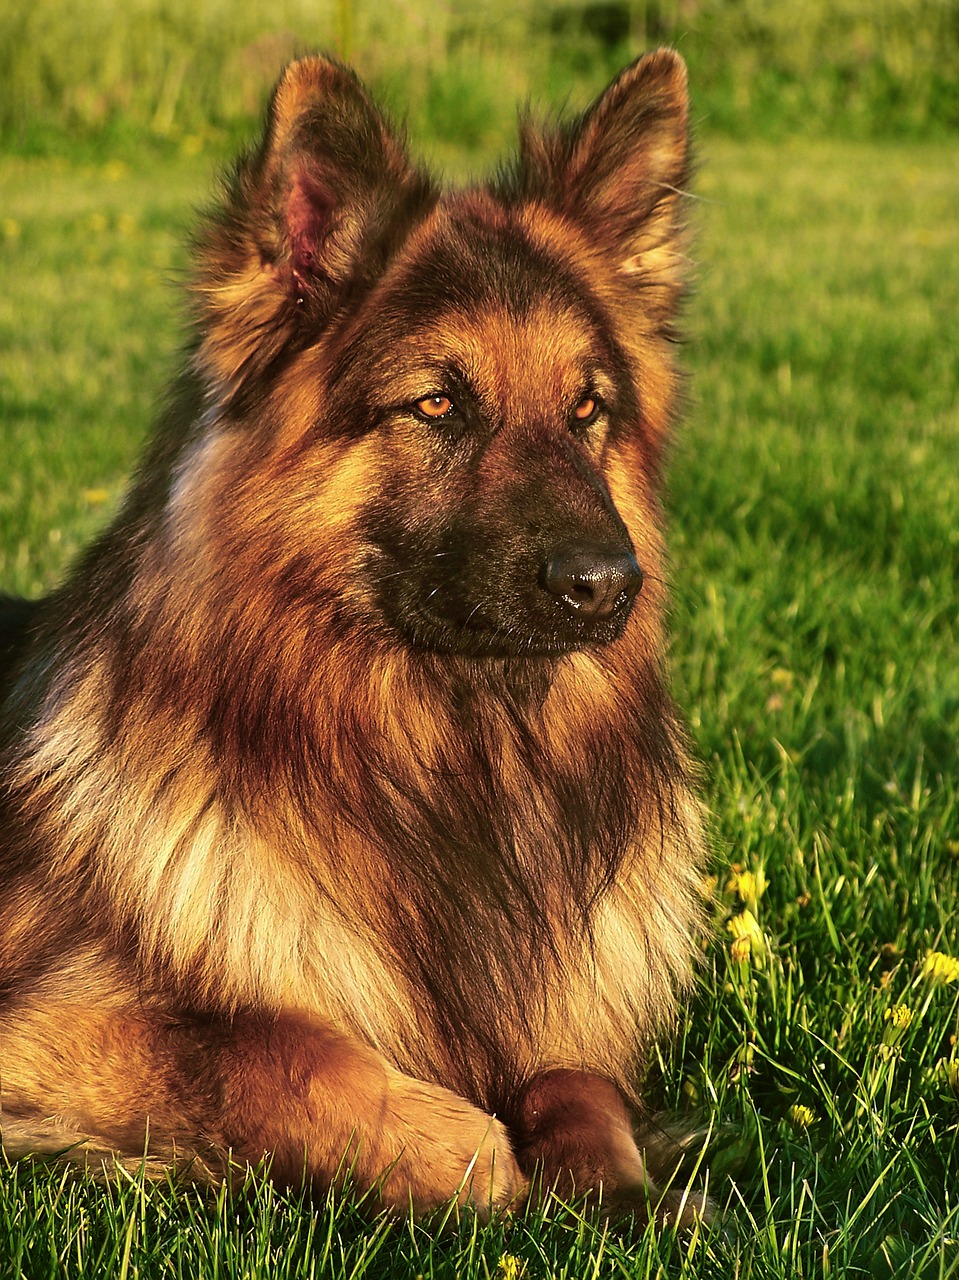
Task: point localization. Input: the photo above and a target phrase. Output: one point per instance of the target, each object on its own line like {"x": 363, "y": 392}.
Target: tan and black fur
{"x": 345, "y": 814}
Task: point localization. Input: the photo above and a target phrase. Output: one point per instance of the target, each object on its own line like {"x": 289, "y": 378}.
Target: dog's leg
{"x": 294, "y": 1089}
{"x": 575, "y": 1135}
{"x": 310, "y": 1099}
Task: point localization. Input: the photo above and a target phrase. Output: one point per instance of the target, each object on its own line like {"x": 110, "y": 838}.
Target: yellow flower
{"x": 734, "y": 870}
{"x": 898, "y": 1020}
{"x": 510, "y": 1267}
{"x": 745, "y": 925}
{"x": 940, "y": 967}
{"x": 952, "y": 1075}
{"x": 740, "y": 950}
{"x": 900, "y": 1016}
{"x": 751, "y": 885}
{"x": 746, "y": 884}
{"x": 800, "y": 1117}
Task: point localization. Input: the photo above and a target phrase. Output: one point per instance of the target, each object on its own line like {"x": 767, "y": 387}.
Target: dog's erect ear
{"x": 619, "y": 170}
{"x": 318, "y": 207}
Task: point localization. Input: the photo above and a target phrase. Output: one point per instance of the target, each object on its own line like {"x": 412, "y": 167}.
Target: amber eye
{"x": 434, "y": 406}
{"x": 586, "y": 411}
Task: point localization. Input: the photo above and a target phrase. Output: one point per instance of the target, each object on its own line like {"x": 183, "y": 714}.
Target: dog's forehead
{"x": 505, "y": 356}
{"x": 476, "y": 250}
{"x": 478, "y": 288}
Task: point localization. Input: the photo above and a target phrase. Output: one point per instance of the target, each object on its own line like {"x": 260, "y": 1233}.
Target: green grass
{"x": 813, "y": 495}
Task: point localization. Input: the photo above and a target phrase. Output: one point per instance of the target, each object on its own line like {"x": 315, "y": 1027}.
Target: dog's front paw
{"x": 576, "y": 1140}
{"x": 436, "y": 1147}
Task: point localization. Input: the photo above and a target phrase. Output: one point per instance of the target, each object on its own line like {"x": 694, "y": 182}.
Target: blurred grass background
{"x": 182, "y": 67}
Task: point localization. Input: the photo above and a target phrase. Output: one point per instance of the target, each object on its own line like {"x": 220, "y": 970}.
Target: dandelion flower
{"x": 952, "y": 1076}
{"x": 900, "y": 1016}
{"x": 898, "y": 1019}
{"x": 750, "y": 885}
{"x": 745, "y": 925}
{"x": 746, "y": 933}
{"x": 801, "y": 1118}
{"x": 940, "y": 967}
{"x": 740, "y": 950}
{"x": 510, "y": 1267}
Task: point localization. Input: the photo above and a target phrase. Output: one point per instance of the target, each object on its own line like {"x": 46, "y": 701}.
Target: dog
{"x": 347, "y": 819}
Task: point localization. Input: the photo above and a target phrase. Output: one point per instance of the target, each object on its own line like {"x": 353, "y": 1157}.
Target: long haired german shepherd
{"x": 345, "y": 815}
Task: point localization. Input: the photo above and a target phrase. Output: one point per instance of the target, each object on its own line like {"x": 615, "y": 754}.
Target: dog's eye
{"x": 586, "y": 411}
{"x": 434, "y": 406}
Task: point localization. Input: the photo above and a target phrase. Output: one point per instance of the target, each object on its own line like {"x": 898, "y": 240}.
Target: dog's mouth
{"x": 578, "y": 596}
{"x": 514, "y": 641}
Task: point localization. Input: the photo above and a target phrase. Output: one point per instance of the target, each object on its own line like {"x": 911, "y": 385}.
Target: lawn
{"x": 814, "y": 491}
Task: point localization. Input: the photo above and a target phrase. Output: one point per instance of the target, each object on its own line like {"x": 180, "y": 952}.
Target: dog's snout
{"x": 595, "y": 582}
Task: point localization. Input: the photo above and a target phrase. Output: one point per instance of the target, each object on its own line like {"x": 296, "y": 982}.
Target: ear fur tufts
{"x": 319, "y": 205}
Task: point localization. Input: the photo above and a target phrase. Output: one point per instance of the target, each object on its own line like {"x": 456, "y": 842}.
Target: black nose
{"x": 596, "y": 582}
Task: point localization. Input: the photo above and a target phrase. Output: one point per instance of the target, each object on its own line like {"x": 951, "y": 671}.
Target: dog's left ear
{"x": 619, "y": 172}
{"x": 313, "y": 213}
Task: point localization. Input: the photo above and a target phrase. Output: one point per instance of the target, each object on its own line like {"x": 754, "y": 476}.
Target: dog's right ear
{"x": 318, "y": 208}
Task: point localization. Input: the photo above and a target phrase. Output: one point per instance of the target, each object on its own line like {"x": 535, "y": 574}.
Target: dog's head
{"x": 446, "y": 410}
